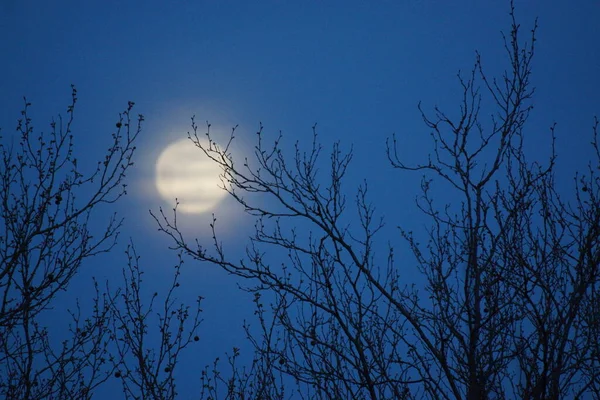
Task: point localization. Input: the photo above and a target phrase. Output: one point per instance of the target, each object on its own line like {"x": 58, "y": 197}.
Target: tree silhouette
{"x": 49, "y": 213}
{"x": 47, "y": 207}
{"x": 146, "y": 366}
{"x": 509, "y": 307}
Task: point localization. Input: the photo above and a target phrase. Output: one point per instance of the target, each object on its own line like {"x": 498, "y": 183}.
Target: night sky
{"x": 355, "y": 68}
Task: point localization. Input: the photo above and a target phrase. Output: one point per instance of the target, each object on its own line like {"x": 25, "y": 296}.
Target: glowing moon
{"x": 184, "y": 172}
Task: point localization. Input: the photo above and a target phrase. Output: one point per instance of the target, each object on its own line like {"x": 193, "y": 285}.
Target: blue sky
{"x": 356, "y": 68}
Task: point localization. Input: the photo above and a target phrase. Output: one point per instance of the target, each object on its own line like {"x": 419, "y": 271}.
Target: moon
{"x": 184, "y": 172}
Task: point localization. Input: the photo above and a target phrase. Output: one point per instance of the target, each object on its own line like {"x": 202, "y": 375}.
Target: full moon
{"x": 184, "y": 172}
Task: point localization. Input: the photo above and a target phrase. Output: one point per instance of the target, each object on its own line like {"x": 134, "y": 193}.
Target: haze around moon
{"x": 184, "y": 172}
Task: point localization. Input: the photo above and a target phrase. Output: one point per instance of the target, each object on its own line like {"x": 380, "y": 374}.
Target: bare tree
{"x": 50, "y": 210}
{"x": 146, "y": 359}
{"x": 48, "y": 206}
{"x": 509, "y": 308}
